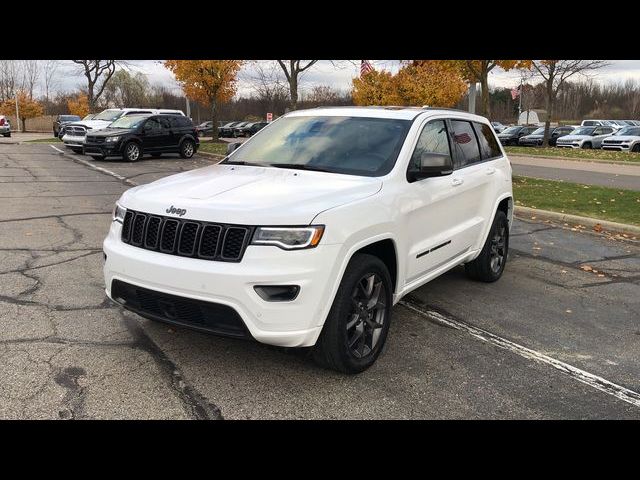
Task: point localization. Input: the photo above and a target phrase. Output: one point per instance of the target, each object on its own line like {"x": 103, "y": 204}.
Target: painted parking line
{"x": 587, "y": 378}
{"x": 96, "y": 167}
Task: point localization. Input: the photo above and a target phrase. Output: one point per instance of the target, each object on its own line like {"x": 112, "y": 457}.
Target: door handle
{"x": 457, "y": 182}
{"x": 490, "y": 171}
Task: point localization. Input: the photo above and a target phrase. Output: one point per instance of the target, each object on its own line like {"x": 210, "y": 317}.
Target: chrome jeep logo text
{"x": 176, "y": 211}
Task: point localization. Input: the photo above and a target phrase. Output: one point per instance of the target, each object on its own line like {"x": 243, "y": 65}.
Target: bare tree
{"x": 49, "y": 69}
{"x": 30, "y": 76}
{"x": 9, "y": 79}
{"x": 554, "y": 74}
{"x": 98, "y": 73}
{"x": 292, "y": 72}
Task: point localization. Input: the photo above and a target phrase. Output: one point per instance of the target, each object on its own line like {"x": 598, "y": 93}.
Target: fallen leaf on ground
{"x": 586, "y": 268}
{"x": 597, "y": 227}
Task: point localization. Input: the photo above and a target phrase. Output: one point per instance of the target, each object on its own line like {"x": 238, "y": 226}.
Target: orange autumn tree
{"x": 210, "y": 82}
{"x": 425, "y": 82}
{"x": 28, "y": 108}
{"x": 79, "y": 105}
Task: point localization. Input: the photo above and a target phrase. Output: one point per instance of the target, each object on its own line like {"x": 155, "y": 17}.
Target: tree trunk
{"x": 293, "y": 90}
{"x": 484, "y": 84}
{"x": 549, "y": 107}
{"x": 214, "y": 119}
{"x": 24, "y": 124}
{"x": 92, "y": 107}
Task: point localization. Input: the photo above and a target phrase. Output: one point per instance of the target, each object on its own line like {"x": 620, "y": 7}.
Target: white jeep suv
{"x": 309, "y": 232}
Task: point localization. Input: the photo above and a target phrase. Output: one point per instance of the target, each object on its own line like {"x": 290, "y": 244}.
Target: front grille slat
{"x": 174, "y": 236}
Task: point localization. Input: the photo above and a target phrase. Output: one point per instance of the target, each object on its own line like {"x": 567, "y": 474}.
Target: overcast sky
{"x": 336, "y": 74}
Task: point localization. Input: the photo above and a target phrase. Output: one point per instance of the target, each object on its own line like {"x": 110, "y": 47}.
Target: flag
{"x": 515, "y": 92}
{"x": 365, "y": 67}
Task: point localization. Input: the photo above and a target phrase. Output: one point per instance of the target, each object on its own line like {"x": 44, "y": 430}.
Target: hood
{"x": 571, "y": 138}
{"x": 107, "y": 132}
{"x": 91, "y": 124}
{"x": 533, "y": 137}
{"x": 250, "y": 195}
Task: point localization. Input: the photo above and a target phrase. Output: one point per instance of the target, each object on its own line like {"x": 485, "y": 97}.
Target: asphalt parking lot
{"x": 557, "y": 337}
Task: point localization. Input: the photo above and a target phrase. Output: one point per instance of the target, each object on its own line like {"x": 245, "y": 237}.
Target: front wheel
{"x": 587, "y": 146}
{"x": 131, "y": 152}
{"x": 489, "y": 265}
{"x": 187, "y": 149}
{"x": 636, "y": 148}
{"x": 357, "y": 325}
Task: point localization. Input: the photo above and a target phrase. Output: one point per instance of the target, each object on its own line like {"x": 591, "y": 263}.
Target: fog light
{"x": 277, "y": 293}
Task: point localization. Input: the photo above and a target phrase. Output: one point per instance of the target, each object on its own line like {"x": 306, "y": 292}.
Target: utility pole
{"x": 520, "y": 101}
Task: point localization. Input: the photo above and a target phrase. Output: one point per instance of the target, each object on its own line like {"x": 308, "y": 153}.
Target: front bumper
{"x": 568, "y": 145}
{"x": 73, "y": 140}
{"x": 619, "y": 147}
{"x": 295, "y": 323}
{"x": 103, "y": 149}
{"x": 5, "y": 129}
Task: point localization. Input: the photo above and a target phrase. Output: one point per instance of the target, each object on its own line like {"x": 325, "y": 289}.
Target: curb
{"x": 575, "y": 159}
{"x": 209, "y": 154}
{"x": 576, "y": 219}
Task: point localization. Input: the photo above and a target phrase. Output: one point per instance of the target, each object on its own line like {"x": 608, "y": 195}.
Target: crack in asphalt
{"x": 56, "y": 216}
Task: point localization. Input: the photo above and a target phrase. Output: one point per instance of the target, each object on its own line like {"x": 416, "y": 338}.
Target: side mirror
{"x": 232, "y": 146}
{"x": 432, "y": 164}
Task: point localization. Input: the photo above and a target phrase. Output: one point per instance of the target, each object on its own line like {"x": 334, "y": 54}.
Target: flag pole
{"x": 520, "y": 100}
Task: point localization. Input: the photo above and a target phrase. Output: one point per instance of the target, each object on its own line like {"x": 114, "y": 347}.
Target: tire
{"x": 351, "y": 320}
{"x": 6, "y": 134}
{"x": 131, "y": 152}
{"x": 636, "y": 148}
{"x": 587, "y": 146}
{"x": 187, "y": 149}
{"x": 76, "y": 150}
{"x": 489, "y": 265}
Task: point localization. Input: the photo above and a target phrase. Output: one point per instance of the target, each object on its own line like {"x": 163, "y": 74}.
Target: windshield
{"x": 129, "y": 121}
{"x": 109, "y": 115}
{"x": 538, "y": 131}
{"x": 89, "y": 117}
{"x": 588, "y": 123}
{"x": 349, "y": 145}
{"x": 583, "y": 131}
{"x": 511, "y": 130}
{"x": 69, "y": 118}
{"x": 629, "y": 131}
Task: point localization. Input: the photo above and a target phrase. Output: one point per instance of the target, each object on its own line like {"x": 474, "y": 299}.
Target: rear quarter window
{"x": 489, "y": 147}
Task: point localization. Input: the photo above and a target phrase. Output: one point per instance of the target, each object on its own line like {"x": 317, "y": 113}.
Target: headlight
{"x": 289, "y": 238}
{"x": 119, "y": 213}
{"x": 113, "y": 139}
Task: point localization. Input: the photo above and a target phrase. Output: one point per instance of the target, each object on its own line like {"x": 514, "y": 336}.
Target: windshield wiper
{"x": 300, "y": 166}
{"x": 232, "y": 162}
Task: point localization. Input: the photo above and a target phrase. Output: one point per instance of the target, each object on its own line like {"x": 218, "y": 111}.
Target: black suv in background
{"x": 511, "y": 135}
{"x": 227, "y": 130}
{"x": 535, "y": 138}
{"x": 61, "y": 120}
{"x": 248, "y": 130}
{"x": 133, "y": 136}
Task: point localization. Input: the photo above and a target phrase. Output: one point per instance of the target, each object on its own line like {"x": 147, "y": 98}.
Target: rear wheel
{"x": 357, "y": 325}
{"x": 131, "y": 152}
{"x": 587, "y": 145}
{"x": 187, "y": 149}
{"x": 489, "y": 265}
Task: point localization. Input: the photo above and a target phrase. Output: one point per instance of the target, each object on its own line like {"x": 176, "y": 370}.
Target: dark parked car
{"x": 227, "y": 130}
{"x": 205, "y": 129}
{"x": 535, "y": 139}
{"x": 61, "y": 120}
{"x": 133, "y": 136}
{"x": 248, "y": 130}
{"x": 511, "y": 135}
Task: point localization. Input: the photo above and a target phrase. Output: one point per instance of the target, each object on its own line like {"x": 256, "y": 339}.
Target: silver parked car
{"x": 585, "y": 137}
{"x": 626, "y": 140}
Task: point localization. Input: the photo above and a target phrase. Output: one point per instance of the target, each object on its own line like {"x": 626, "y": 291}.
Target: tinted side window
{"x": 488, "y": 144}
{"x": 182, "y": 121}
{"x": 433, "y": 139}
{"x": 465, "y": 144}
{"x": 152, "y": 125}
{"x": 164, "y": 122}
